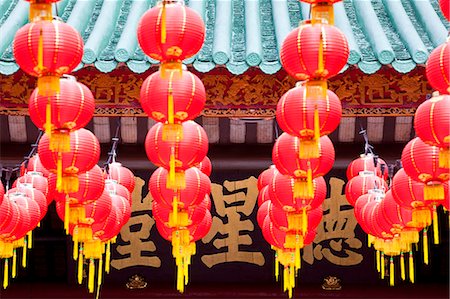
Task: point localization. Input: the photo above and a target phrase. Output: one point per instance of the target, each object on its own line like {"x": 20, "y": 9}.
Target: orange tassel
{"x": 444, "y": 157}
{"x": 40, "y": 58}
{"x": 48, "y": 120}
{"x": 59, "y": 181}
{"x": 434, "y": 192}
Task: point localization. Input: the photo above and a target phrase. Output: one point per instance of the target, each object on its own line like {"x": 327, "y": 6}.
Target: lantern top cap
{"x": 319, "y": 21}
{"x": 69, "y": 78}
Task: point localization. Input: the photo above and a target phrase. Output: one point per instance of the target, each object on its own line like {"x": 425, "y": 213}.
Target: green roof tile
{"x": 244, "y": 33}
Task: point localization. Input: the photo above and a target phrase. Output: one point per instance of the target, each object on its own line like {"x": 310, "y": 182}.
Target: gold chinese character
{"x": 138, "y": 249}
{"x": 233, "y": 206}
{"x": 337, "y": 230}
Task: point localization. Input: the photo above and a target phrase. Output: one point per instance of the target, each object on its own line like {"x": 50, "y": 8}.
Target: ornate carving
{"x": 252, "y": 94}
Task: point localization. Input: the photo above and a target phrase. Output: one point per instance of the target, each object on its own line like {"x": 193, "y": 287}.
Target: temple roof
{"x": 241, "y": 34}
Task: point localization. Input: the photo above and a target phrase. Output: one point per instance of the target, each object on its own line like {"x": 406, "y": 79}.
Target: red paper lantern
{"x": 432, "y": 125}
{"x": 197, "y": 186}
{"x": 205, "y": 166}
{"x": 113, "y": 187}
{"x": 185, "y": 95}
{"x": 30, "y": 207}
{"x": 307, "y": 117}
{"x": 286, "y": 158}
{"x": 20, "y": 225}
{"x": 121, "y": 174}
{"x": 91, "y": 185}
{"x": 445, "y": 8}
{"x": 263, "y": 212}
{"x": 171, "y": 32}
{"x": 407, "y": 192}
{"x": 110, "y": 227}
{"x": 36, "y": 180}
{"x": 84, "y": 154}
{"x": 362, "y": 201}
{"x": 263, "y": 195}
{"x": 265, "y": 177}
{"x": 6, "y": 214}
{"x": 273, "y": 235}
{"x": 35, "y": 165}
{"x": 47, "y": 50}
{"x": 368, "y": 163}
{"x": 314, "y": 51}
{"x": 282, "y": 193}
{"x": 281, "y": 219}
{"x": 200, "y": 230}
{"x": 33, "y": 194}
{"x": 361, "y": 184}
{"x": 438, "y": 68}
{"x": 395, "y": 214}
{"x": 63, "y": 112}
{"x": 421, "y": 163}
{"x": 194, "y": 214}
{"x": 179, "y": 155}
{"x": 124, "y": 208}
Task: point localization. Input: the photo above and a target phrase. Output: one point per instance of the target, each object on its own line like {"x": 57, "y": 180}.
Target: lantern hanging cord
{"x": 368, "y": 148}
{"x": 113, "y": 152}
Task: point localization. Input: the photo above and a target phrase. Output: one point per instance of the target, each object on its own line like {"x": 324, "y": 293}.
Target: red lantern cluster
{"x": 303, "y": 154}
{"x": 174, "y": 97}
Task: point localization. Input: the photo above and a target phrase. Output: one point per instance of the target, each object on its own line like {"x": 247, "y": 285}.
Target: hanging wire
{"x": 56, "y": 9}
{"x": 277, "y": 132}
{"x": 113, "y": 152}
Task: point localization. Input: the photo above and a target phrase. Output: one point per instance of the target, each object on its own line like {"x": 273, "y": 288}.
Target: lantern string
{"x": 112, "y": 154}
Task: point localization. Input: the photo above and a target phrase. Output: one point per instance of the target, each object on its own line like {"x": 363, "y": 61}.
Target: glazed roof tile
{"x": 241, "y": 34}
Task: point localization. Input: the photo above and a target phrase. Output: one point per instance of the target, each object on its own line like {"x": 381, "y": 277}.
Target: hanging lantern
{"x": 361, "y": 184}
{"x": 35, "y": 165}
{"x": 198, "y": 186}
{"x": 17, "y": 229}
{"x": 308, "y": 117}
{"x": 314, "y": 51}
{"x": 35, "y": 180}
{"x": 2, "y": 192}
{"x": 438, "y": 68}
{"x": 200, "y": 230}
{"x": 170, "y": 33}
{"x": 263, "y": 212}
{"x": 173, "y": 100}
{"x": 205, "y": 166}
{"x": 194, "y": 214}
{"x": 367, "y": 163}
{"x": 110, "y": 227}
{"x": 114, "y": 187}
{"x": 374, "y": 195}
{"x": 26, "y": 190}
{"x": 121, "y": 174}
{"x": 282, "y": 193}
{"x": 292, "y": 221}
{"x": 30, "y": 207}
{"x": 84, "y": 154}
{"x": 177, "y": 156}
{"x": 421, "y": 163}
{"x": 63, "y": 112}
{"x": 6, "y": 214}
{"x": 265, "y": 177}
{"x": 286, "y": 159}
{"x": 263, "y": 195}
{"x": 432, "y": 125}
{"x": 47, "y": 50}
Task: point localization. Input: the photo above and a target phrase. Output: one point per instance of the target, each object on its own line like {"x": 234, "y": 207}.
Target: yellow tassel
{"x": 100, "y": 272}
{"x": 434, "y": 192}
{"x": 108, "y": 256}
{"x": 30, "y": 239}
{"x": 48, "y": 120}
{"x": 382, "y": 265}
{"x": 411, "y": 267}
{"x": 175, "y": 210}
{"x": 301, "y": 190}
{"x": 435, "y": 226}
{"x": 421, "y": 217}
{"x": 425, "y": 246}
{"x": 320, "y": 63}
{"x": 80, "y": 265}
{"x": 316, "y": 128}
{"x": 59, "y": 140}
{"x": 59, "y": 173}
{"x": 297, "y": 255}
{"x": 277, "y": 266}
{"x": 66, "y": 215}
{"x": 75, "y": 245}
{"x": 91, "y": 276}
{"x": 70, "y": 183}
{"x": 170, "y": 105}
{"x": 14, "y": 263}
{"x": 24, "y": 255}
{"x": 171, "y": 180}
{"x": 378, "y": 261}
{"x": 186, "y": 271}
{"x": 48, "y": 85}
{"x": 292, "y": 276}
{"x": 369, "y": 240}
{"x": 40, "y": 58}
{"x": 391, "y": 272}
{"x": 163, "y": 23}
{"x": 304, "y": 221}
{"x": 309, "y": 181}
{"x": 444, "y": 157}
{"x": 5, "y": 275}
{"x": 402, "y": 266}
